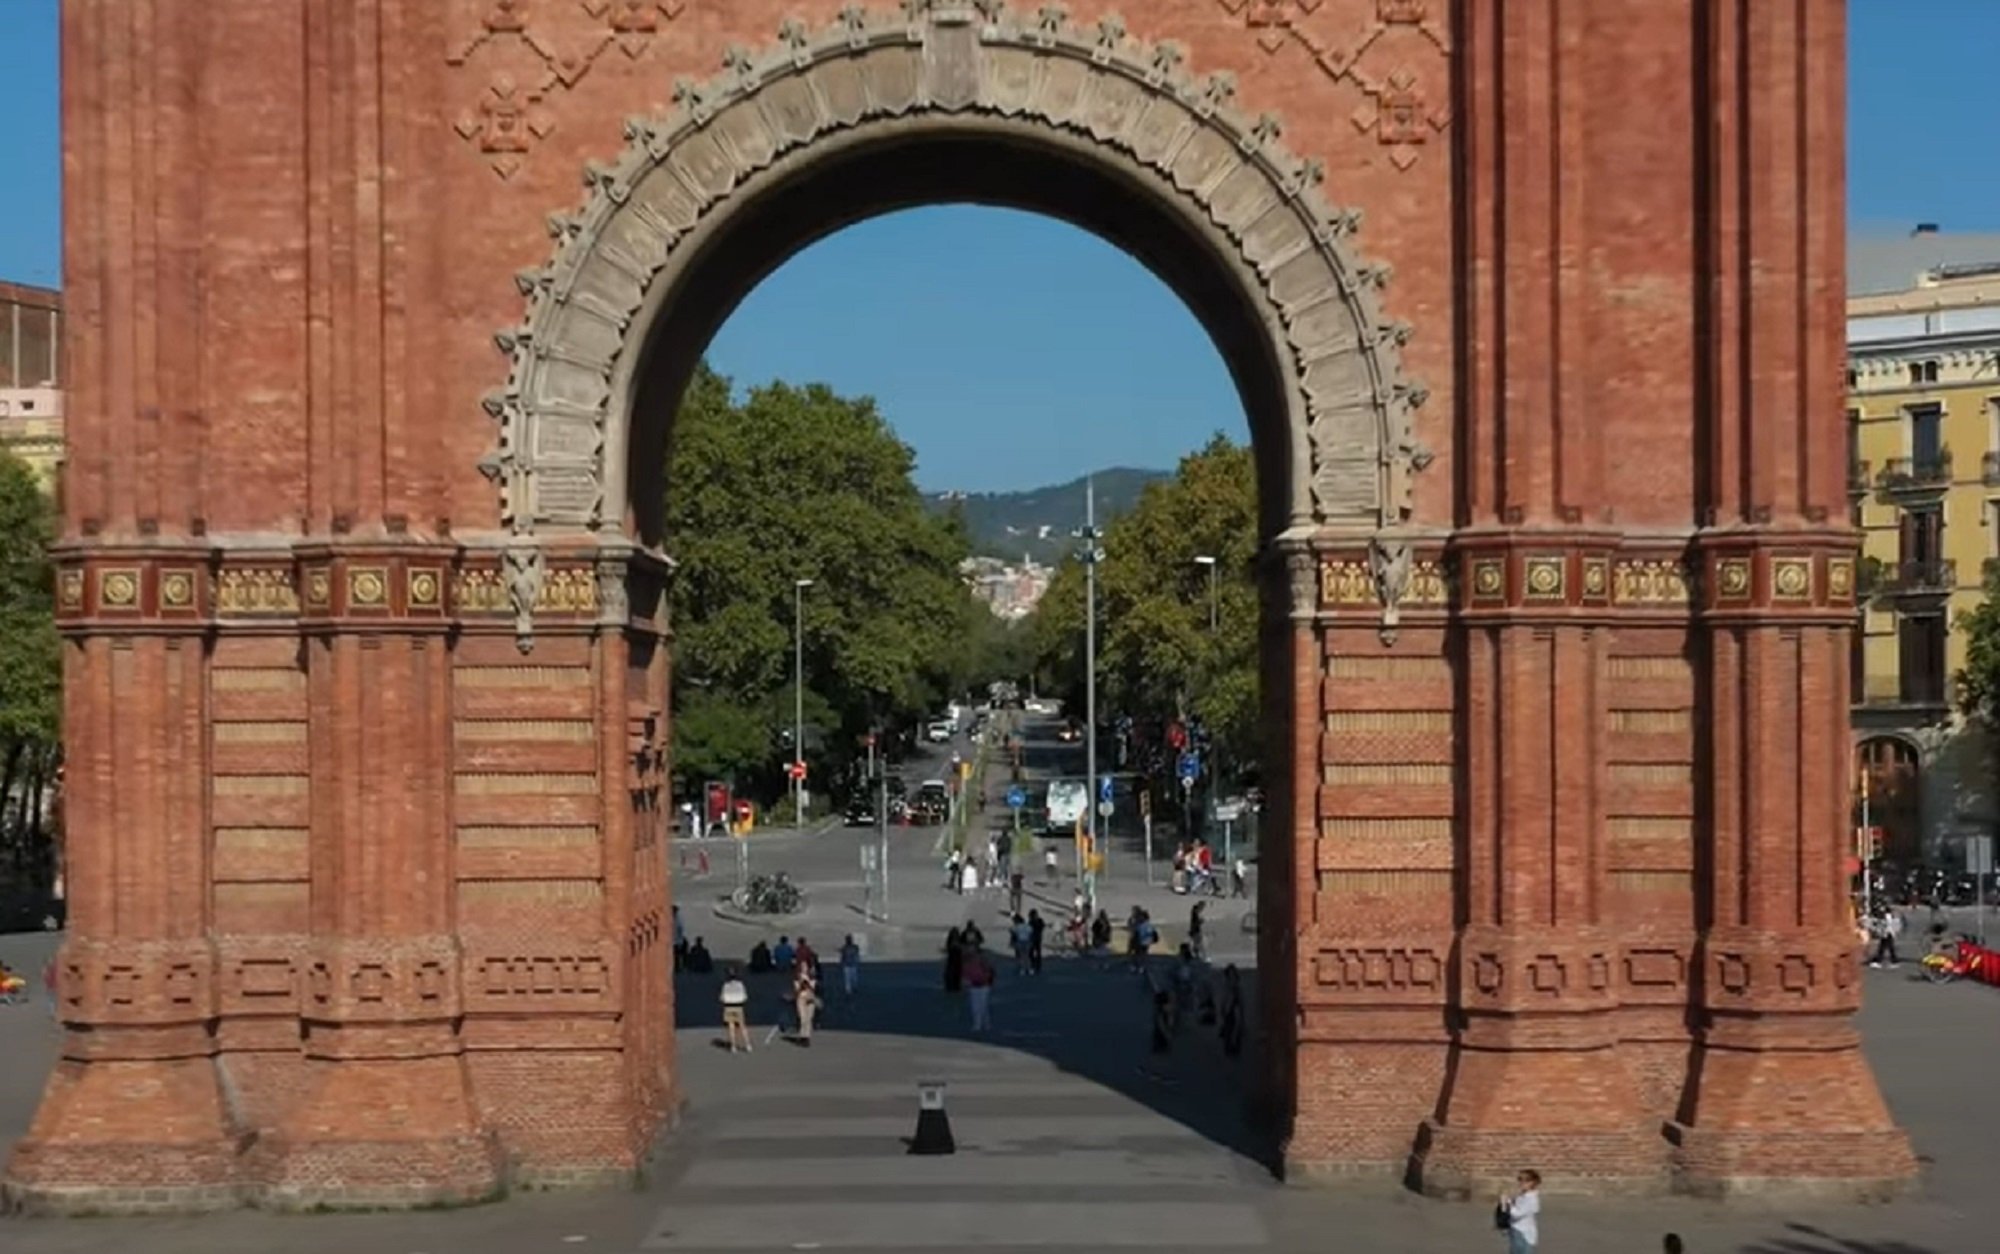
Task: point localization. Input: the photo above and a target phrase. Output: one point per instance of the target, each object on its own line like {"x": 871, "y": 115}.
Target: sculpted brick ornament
{"x": 1396, "y": 109}
{"x": 564, "y": 411}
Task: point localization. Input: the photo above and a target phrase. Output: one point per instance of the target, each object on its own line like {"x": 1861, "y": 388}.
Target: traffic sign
{"x": 1105, "y": 809}
{"x": 1190, "y": 765}
{"x": 797, "y": 771}
{"x": 1017, "y": 797}
{"x": 1104, "y": 790}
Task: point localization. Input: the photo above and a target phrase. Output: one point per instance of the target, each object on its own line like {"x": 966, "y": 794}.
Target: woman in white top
{"x": 1521, "y": 1207}
{"x": 735, "y": 1000}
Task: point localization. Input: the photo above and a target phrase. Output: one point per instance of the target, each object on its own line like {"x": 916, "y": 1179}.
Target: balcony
{"x": 1989, "y": 469}
{"x": 1919, "y": 578}
{"x": 1905, "y": 476}
{"x": 1857, "y": 478}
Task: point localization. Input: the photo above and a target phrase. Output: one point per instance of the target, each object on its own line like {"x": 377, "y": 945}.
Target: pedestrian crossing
{"x": 796, "y": 1149}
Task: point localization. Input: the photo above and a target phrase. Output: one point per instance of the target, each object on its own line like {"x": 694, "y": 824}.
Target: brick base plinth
{"x": 381, "y": 1133}
{"x": 1573, "y": 1115}
{"x": 1360, "y": 1105}
{"x": 373, "y": 1175}
{"x": 1789, "y": 1122}
{"x": 140, "y": 1136}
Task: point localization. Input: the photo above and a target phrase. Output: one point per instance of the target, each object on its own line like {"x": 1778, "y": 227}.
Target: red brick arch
{"x": 366, "y": 759}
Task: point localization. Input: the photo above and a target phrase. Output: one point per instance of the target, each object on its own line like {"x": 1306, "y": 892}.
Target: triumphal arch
{"x": 380, "y": 310}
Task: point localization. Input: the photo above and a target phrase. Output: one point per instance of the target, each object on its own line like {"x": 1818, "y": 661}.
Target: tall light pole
{"x": 799, "y": 587}
{"x": 1209, "y": 561}
{"x": 1092, "y": 555}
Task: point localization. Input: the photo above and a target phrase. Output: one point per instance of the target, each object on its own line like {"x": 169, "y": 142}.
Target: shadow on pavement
{"x": 1807, "y": 1239}
{"x": 1090, "y": 1018}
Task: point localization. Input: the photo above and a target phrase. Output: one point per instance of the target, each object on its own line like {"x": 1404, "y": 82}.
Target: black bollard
{"x": 933, "y": 1125}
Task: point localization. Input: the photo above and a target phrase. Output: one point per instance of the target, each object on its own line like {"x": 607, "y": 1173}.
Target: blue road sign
{"x": 1016, "y": 798}
{"x": 1190, "y": 765}
{"x": 1104, "y": 789}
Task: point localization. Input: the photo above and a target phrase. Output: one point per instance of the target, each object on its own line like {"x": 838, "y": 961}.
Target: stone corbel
{"x": 1390, "y": 560}
{"x": 1302, "y": 583}
{"x": 525, "y": 573}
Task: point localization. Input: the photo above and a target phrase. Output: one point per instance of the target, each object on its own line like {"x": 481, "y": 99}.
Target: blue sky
{"x": 1012, "y": 351}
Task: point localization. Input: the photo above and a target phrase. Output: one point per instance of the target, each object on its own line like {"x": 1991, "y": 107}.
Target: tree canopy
{"x": 790, "y": 483}
{"x": 30, "y": 667}
{"x": 1158, "y": 657}
{"x": 1976, "y": 687}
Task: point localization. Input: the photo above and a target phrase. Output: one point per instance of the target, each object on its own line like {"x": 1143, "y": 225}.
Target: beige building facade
{"x": 31, "y": 377}
{"x": 1923, "y": 397}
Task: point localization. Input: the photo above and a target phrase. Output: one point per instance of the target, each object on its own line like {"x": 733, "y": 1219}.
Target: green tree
{"x": 1976, "y": 686}
{"x": 30, "y": 669}
{"x": 799, "y": 483}
{"x": 1158, "y": 655}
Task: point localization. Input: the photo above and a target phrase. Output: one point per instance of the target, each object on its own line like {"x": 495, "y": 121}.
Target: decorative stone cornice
{"x": 321, "y": 585}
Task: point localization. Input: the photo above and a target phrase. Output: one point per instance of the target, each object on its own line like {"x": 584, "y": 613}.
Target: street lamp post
{"x": 1210, "y": 562}
{"x": 799, "y": 587}
{"x": 1092, "y": 555}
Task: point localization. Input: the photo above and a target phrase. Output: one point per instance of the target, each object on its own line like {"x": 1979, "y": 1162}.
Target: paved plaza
{"x": 1069, "y": 1139}
{"x": 1072, "y": 1135}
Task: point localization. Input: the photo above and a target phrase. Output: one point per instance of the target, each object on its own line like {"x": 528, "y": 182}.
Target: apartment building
{"x": 1923, "y": 408}
{"x": 31, "y": 415}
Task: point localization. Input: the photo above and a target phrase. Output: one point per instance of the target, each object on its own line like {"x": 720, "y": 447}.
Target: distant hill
{"x": 1037, "y": 523}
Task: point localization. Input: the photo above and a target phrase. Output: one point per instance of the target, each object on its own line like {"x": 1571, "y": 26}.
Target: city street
{"x": 827, "y": 859}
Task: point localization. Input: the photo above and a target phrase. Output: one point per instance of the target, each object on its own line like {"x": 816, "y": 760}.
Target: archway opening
{"x": 1077, "y": 1031}
{"x": 1089, "y": 127}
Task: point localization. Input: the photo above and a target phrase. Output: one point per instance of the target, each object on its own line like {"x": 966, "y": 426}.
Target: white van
{"x": 1068, "y": 799}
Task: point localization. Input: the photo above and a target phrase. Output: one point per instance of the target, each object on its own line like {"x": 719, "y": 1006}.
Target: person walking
{"x": 968, "y": 878}
{"x": 1018, "y": 939}
{"x": 1231, "y": 1014}
{"x": 979, "y": 986}
{"x": 1196, "y": 943}
{"x": 954, "y": 960}
{"x": 805, "y": 999}
{"x": 1518, "y": 1212}
{"x": 1016, "y": 889}
{"x": 1885, "y": 926}
{"x": 951, "y": 880}
{"x": 1239, "y": 878}
{"x": 735, "y": 1008}
{"x": 1036, "y": 926}
{"x": 1051, "y": 865}
{"x": 850, "y": 966}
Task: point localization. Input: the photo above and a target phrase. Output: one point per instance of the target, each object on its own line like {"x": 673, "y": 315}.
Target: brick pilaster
{"x": 137, "y": 977}
{"x": 385, "y": 1101}
{"x": 1537, "y": 1074}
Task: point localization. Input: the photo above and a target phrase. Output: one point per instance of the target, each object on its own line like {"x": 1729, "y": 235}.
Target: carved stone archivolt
{"x": 962, "y": 65}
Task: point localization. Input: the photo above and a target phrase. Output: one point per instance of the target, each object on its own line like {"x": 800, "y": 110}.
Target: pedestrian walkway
{"x": 796, "y": 1149}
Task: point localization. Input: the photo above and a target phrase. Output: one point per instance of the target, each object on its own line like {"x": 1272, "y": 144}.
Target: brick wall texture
{"x": 366, "y": 679}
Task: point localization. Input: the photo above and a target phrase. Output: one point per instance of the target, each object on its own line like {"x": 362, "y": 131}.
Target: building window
{"x": 1926, "y": 435}
{"x": 1922, "y": 372}
{"x": 1857, "y": 659}
{"x": 1922, "y": 538}
{"x": 1852, "y": 378}
{"x": 1920, "y": 658}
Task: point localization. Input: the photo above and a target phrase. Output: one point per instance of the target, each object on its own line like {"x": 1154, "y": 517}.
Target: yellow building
{"x": 1923, "y": 389}
{"x": 31, "y": 416}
